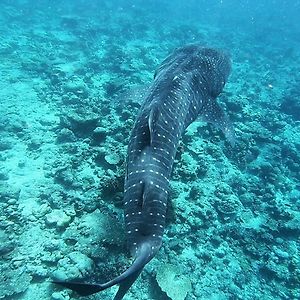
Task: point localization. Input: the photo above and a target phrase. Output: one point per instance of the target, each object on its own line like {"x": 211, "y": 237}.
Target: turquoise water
{"x": 72, "y": 75}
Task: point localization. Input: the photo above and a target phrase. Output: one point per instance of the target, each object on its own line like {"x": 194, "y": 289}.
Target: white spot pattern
{"x": 150, "y": 160}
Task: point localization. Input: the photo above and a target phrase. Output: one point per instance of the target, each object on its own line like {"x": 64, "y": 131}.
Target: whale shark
{"x": 185, "y": 87}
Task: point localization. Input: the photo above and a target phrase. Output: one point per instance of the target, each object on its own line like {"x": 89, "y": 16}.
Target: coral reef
{"x": 174, "y": 284}
{"x": 73, "y": 76}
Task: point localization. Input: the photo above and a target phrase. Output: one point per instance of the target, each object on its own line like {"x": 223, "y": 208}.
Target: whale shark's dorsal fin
{"x": 153, "y": 115}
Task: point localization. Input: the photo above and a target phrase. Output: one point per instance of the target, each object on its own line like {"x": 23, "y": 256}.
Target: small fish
{"x": 185, "y": 87}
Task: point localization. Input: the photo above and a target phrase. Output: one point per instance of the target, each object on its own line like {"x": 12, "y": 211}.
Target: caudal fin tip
{"x": 83, "y": 289}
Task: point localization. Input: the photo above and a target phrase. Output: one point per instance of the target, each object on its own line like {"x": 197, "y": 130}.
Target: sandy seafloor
{"x": 70, "y": 80}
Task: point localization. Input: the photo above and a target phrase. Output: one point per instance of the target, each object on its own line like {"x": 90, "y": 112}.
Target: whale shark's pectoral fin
{"x": 213, "y": 113}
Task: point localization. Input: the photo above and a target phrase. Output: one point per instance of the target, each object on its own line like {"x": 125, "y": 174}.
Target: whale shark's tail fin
{"x": 87, "y": 289}
{"x": 126, "y": 284}
{"x": 125, "y": 280}
{"x": 83, "y": 289}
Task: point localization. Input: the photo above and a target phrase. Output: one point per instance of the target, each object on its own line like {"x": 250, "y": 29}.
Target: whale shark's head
{"x": 213, "y": 65}
{"x": 217, "y": 66}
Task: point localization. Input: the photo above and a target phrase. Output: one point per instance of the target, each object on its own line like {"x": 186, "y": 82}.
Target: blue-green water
{"x": 71, "y": 77}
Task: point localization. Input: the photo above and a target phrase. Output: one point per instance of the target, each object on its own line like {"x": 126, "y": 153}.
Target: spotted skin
{"x": 185, "y": 86}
